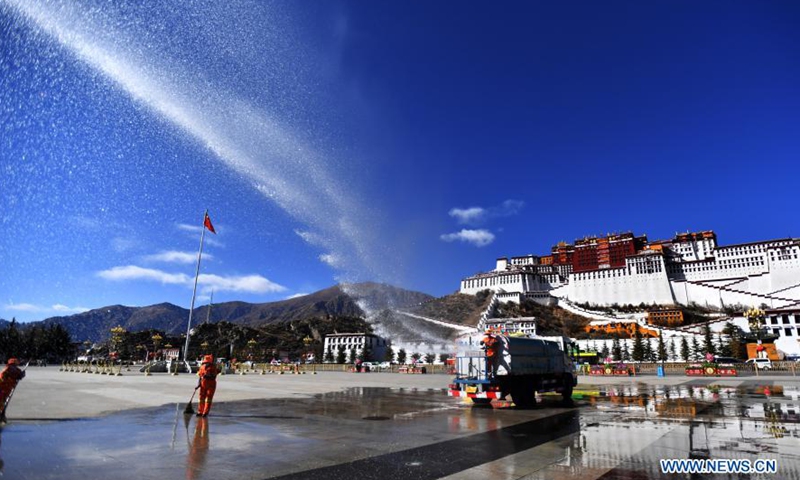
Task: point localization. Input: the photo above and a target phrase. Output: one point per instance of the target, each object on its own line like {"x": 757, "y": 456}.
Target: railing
{"x": 679, "y": 368}
{"x": 306, "y": 368}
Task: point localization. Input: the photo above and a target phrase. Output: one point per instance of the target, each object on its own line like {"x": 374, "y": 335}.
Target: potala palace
{"x": 627, "y": 269}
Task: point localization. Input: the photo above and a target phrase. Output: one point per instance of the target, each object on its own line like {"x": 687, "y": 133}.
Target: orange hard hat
{"x": 208, "y": 359}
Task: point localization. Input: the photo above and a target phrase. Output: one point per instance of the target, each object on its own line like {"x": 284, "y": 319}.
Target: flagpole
{"x": 194, "y": 291}
{"x": 210, "y": 303}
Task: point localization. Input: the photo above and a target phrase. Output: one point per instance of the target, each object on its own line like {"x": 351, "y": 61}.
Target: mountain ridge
{"x": 337, "y": 300}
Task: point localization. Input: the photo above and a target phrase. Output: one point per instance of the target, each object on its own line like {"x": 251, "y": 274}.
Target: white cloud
{"x": 478, "y": 215}
{"x": 246, "y": 283}
{"x": 132, "y": 272}
{"x": 57, "y": 308}
{"x": 24, "y": 307}
{"x": 219, "y": 283}
{"x": 296, "y": 295}
{"x": 63, "y": 308}
{"x": 479, "y": 238}
{"x": 174, "y": 256}
{"x": 468, "y": 215}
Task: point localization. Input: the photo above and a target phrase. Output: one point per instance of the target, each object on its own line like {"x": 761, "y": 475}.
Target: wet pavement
{"x": 614, "y": 431}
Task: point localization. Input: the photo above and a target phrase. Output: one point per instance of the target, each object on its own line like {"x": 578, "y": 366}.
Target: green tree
{"x": 341, "y": 356}
{"x": 366, "y": 354}
{"x": 672, "y": 355}
{"x": 388, "y": 355}
{"x": 638, "y": 347}
{"x": 696, "y": 353}
{"x": 415, "y": 357}
{"x": 723, "y": 348}
{"x": 708, "y": 340}
{"x": 616, "y": 349}
{"x": 353, "y": 355}
{"x": 430, "y": 357}
{"x": 649, "y": 355}
{"x": 604, "y": 351}
{"x": 626, "y": 354}
{"x": 328, "y": 355}
{"x": 661, "y": 350}
{"x": 735, "y": 337}
{"x": 685, "y": 352}
{"x": 444, "y": 357}
{"x": 401, "y": 356}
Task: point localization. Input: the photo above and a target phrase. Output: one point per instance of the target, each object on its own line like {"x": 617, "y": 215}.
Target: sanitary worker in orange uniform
{"x": 9, "y": 379}
{"x": 489, "y": 342}
{"x": 208, "y": 384}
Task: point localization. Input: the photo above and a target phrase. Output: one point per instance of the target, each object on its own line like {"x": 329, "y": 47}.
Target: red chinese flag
{"x": 207, "y": 224}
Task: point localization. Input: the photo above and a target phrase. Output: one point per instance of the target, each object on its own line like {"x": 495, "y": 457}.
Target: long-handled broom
{"x": 189, "y": 410}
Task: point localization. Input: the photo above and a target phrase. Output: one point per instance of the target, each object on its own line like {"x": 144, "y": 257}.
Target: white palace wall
{"x": 643, "y": 279}
{"x": 747, "y": 274}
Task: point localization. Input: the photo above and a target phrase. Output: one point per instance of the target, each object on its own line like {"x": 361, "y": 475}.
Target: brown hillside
{"x": 456, "y": 308}
{"x": 549, "y": 320}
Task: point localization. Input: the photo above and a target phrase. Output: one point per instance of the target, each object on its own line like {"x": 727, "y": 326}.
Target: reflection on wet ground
{"x": 613, "y": 432}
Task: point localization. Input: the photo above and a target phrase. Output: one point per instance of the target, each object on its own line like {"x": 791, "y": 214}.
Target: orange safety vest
{"x": 491, "y": 345}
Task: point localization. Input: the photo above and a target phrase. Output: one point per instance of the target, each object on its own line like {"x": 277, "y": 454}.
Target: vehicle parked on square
{"x": 760, "y": 363}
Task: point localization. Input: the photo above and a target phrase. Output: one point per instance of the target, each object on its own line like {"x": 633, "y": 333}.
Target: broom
{"x": 189, "y": 410}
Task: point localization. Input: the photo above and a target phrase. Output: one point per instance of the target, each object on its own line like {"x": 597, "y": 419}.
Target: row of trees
{"x": 228, "y": 340}
{"x": 222, "y": 339}
{"x": 643, "y": 350}
{"x": 52, "y": 343}
{"x": 343, "y": 356}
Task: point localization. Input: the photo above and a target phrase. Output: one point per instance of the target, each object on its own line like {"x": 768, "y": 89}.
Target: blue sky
{"x": 404, "y": 142}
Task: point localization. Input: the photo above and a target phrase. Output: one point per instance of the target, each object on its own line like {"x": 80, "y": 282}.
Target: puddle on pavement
{"x": 630, "y": 428}
{"x": 632, "y": 425}
{"x": 247, "y": 439}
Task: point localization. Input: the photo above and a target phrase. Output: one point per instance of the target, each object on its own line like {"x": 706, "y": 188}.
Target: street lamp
{"x": 117, "y": 337}
{"x": 754, "y": 318}
{"x": 156, "y": 342}
{"x": 307, "y": 341}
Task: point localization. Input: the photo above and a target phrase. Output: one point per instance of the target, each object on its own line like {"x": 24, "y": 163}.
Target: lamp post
{"x": 156, "y": 343}
{"x": 754, "y": 318}
{"x": 251, "y": 344}
{"x": 117, "y": 337}
{"x": 307, "y": 341}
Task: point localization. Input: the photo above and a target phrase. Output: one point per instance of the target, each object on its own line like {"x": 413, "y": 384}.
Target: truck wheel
{"x": 524, "y": 396}
{"x": 566, "y": 393}
{"x": 481, "y": 401}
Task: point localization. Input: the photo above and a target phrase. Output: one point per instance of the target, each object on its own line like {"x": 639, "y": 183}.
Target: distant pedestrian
{"x": 9, "y": 379}
{"x": 208, "y": 385}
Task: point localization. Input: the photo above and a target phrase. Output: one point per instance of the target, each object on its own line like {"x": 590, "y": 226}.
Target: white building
{"x": 522, "y": 325}
{"x": 786, "y": 324}
{"x": 690, "y": 268}
{"x": 348, "y": 341}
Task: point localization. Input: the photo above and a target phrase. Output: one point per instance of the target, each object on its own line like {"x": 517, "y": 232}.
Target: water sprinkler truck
{"x": 520, "y": 367}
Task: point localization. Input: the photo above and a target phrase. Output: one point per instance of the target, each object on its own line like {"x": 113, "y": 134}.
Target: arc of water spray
{"x": 249, "y": 141}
